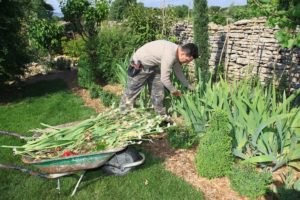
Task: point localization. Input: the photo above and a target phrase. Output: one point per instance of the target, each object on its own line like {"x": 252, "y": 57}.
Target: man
{"x": 152, "y": 64}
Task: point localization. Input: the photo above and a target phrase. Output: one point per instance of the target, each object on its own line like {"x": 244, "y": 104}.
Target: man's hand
{"x": 191, "y": 87}
{"x": 177, "y": 93}
{"x": 136, "y": 65}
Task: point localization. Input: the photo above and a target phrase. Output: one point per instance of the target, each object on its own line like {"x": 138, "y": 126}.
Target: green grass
{"x": 52, "y": 103}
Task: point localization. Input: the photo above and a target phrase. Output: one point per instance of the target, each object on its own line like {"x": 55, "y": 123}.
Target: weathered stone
{"x": 253, "y": 37}
{"x": 242, "y": 22}
{"x": 237, "y": 35}
{"x": 239, "y": 49}
{"x": 264, "y": 70}
{"x": 242, "y": 61}
{"x": 268, "y": 40}
{"x": 234, "y": 56}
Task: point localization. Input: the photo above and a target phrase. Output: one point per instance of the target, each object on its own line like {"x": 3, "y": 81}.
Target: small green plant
{"x": 108, "y": 98}
{"x": 94, "y": 91}
{"x": 214, "y": 157}
{"x": 182, "y": 137}
{"x": 248, "y": 182}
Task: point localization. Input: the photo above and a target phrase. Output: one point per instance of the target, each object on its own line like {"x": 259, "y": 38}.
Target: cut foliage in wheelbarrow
{"x": 106, "y": 131}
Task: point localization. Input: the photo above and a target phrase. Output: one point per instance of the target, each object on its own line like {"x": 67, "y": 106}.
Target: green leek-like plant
{"x": 266, "y": 130}
{"x": 121, "y": 71}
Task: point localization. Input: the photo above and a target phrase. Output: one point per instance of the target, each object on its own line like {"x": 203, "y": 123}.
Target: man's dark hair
{"x": 190, "y": 49}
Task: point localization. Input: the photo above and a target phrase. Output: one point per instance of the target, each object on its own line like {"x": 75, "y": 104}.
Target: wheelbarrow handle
{"x": 33, "y": 173}
{"x": 22, "y": 169}
{"x": 12, "y": 134}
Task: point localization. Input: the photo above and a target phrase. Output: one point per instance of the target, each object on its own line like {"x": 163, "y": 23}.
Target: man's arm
{"x": 166, "y": 69}
{"x": 179, "y": 74}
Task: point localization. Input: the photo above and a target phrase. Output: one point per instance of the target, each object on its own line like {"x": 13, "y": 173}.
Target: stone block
{"x": 237, "y": 35}
{"x": 242, "y": 61}
{"x": 242, "y": 22}
{"x": 268, "y": 40}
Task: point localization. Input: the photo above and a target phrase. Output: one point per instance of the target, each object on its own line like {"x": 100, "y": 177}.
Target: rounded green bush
{"x": 248, "y": 182}
{"x": 214, "y": 157}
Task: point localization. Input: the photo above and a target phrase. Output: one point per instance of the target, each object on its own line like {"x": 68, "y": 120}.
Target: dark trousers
{"x": 150, "y": 76}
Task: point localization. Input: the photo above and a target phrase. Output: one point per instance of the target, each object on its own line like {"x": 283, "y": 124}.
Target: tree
{"x": 284, "y": 14}
{"x": 119, "y": 8}
{"x": 181, "y": 11}
{"x": 147, "y": 24}
{"x": 217, "y": 15}
{"x": 14, "y": 48}
{"x": 144, "y": 23}
{"x": 87, "y": 18}
{"x": 46, "y": 34}
{"x": 201, "y": 37}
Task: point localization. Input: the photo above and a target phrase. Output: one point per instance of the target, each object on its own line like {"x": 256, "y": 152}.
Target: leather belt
{"x": 151, "y": 69}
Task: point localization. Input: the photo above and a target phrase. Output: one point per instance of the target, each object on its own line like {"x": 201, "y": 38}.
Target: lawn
{"x": 51, "y": 102}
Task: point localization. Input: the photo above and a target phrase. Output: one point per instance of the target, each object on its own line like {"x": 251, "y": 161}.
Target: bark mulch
{"x": 181, "y": 163}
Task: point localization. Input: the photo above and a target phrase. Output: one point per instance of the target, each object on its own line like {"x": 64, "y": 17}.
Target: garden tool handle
{"x": 12, "y": 134}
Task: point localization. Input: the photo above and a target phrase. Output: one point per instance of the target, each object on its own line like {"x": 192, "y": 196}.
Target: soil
{"x": 181, "y": 163}
{"x": 178, "y": 161}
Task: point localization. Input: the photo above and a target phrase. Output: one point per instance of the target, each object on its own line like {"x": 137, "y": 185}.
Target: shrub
{"x": 181, "y": 137}
{"x": 213, "y": 156}
{"x": 248, "y": 182}
{"x": 115, "y": 44}
{"x": 86, "y": 76}
{"x": 73, "y": 47}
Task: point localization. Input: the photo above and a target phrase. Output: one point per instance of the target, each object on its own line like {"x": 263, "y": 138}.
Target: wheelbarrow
{"x": 118, "y": 161}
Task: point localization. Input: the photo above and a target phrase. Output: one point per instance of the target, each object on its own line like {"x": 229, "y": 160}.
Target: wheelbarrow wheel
{"x": 117, "y": 164}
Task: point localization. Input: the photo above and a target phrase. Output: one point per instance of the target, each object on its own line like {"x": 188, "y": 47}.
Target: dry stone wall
{"x": 247, "y": 47}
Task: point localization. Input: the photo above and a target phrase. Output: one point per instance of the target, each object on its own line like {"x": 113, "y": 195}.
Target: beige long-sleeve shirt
{"x": 162, "y": 53}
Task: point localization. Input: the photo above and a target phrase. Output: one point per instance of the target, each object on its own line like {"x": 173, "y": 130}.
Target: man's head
{"x": 187, "y": 53}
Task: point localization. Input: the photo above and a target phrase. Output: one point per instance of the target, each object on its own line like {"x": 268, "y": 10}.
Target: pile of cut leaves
{"x": 105, "y": 131}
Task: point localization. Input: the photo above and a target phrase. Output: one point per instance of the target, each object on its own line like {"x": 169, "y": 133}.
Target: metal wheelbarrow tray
{"x": 73, "y": 163}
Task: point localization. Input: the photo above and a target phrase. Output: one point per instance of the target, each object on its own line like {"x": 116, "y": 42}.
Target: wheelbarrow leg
{"x": 78, "y": 182}
{"x": 58, "y": 185}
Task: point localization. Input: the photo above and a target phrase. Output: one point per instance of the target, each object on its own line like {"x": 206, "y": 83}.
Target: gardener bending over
{"x": 152, "y": 64}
